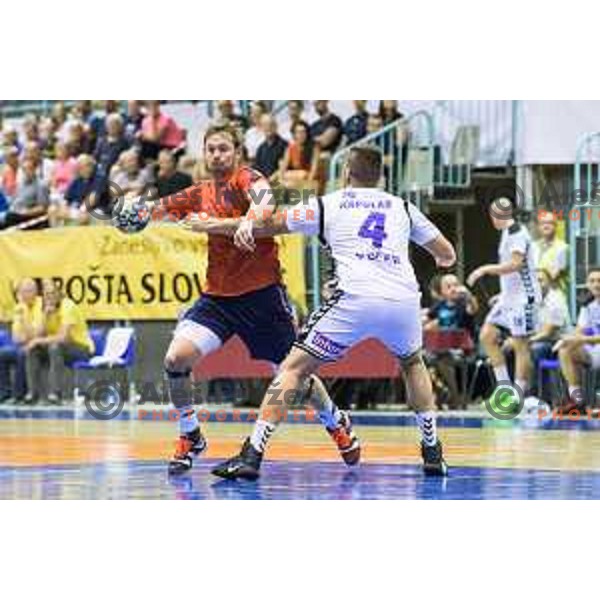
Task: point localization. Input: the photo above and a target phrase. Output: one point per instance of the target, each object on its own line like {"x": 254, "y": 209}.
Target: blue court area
{"x": 63, "y": 454}
{"x": 294, "y": 481}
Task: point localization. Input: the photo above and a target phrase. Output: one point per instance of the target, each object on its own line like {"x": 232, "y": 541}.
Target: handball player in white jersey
{"x": 368, "y": 232}
{"x": 517, "y": 307}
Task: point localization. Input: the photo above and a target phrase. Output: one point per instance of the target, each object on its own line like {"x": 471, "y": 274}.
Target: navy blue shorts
{"x": 263, "y": 320}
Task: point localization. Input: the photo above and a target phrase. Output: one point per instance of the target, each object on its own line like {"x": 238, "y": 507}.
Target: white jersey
{"x": 589, "y": 316}
{"x": 368, "y": 232}
{"x": 522, "y": 285}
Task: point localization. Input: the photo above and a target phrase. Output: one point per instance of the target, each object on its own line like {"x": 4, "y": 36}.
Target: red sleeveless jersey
{"x": 230, "y": 271}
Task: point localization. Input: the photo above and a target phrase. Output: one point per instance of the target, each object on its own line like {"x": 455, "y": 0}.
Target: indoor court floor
{"x": 63, "y": 453}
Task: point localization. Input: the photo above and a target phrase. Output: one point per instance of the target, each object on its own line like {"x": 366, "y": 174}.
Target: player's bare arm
{"x": 513, "y": 266}
{"x": 442, "y": 251}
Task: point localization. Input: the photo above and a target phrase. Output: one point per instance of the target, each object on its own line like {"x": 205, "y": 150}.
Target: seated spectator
{"x": 111, "y": 145}
{"x": 131, "y": 178}
{"x": 60, "y": 336}
{"x": 301, "y": 159}
{"x": 454, "y": 310}
{"x": 93, "y": 124}
{"x": 48, "y": 137}
{"x": 77, "y": 138}
{"x": 10, "y": 170}
{"x": 295, "y": 108}
{"x": 26, "y": 311}
{"x": 327, "y": 129}
{"x": 169, "y": 180}
{"x": 255, "y": 135}
{"x": 159, "y": 132}
{"x": 270, "y": 153}
{"x": 228, "y": 116}
{"x": 83, "y": 193}
{"x": 63, "y": 171}
{"x": 388, "y": 111}
{"x": 582, "y": 348}
{"x": 133, "y": 119}
{"x": 10, "y": 139}
{"x": 31, "y": 198}
{"x": 43, "y": 165}
{"x": 355, "y": 128}
{"x": 30, "y": 129}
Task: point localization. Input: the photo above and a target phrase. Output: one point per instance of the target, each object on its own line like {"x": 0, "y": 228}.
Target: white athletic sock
{"x": 427, "y": 426}
{"x": 501, "y": 374}
{"x": 522, "y": 383}
{"x": 329, "y": 414}
{"x": 261, "y": 433}
{"x": 188, "y": 420}
{"x": 576, "y": 393}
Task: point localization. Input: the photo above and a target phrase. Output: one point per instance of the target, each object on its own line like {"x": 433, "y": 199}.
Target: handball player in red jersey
{"x": 244, "y": 295}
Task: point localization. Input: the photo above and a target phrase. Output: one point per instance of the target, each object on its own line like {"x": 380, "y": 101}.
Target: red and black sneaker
{"x": 346, "y": 440}
{"x": 188, "y": 446}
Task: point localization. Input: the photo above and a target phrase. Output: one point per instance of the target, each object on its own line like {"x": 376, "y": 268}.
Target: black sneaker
{"x": 188, "y": 446}
{"x": 434, "y": 464}
{"x": 246, "y": 465}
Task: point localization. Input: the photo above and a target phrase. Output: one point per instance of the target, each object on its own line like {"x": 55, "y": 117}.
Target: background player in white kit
{"x": 516, "y": 309}
{"x": 368, "y": 233}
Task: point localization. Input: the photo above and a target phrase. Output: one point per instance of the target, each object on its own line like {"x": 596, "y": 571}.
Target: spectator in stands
{"x": 132, "y": 179}
{"x": 301, "y": 159}
{"x": 355, "y": 128}
{"x": 228, "y": 116}
{"x": 581, "y": 349}
{"x": 388, "y": 111}
{"x": 59, "y": 114}
{"x": 63, "y": 171}
{"x": 270, "y": 153}
{"x": 30, "y": 129}
{"x": 551, "y": 252}
{"x": 327, "y": 129}
{"x": 374, "y": 123}
{"x": 43, "y": 164}
{"x": 48, "y": 137}
{"x": 31, "y": 198}
{"x": 455, "y": 310}
{"x": 295, "y": 108}
{"x": 77, "y": 138}
{"x": 254, "y": 136}
{"x": 83, "y": 192}
{"x": 27, "y": 310}
{"x": 159, "y": 131}
{"x": 10, "y": 139}
{"x": 60, "y": 336}
{"x": 133, "y": 119}
{"x": 9, "y": 172}
{"x": 111, "y": 145}
{"x": 92, "y": 125}
{"x": 169, "y": 180}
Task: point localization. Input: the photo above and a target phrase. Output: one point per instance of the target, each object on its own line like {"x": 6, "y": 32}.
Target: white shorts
{"x": 593, "y": 351}
{"x": 520, "y": 319}
{"x": 346, "y": 319}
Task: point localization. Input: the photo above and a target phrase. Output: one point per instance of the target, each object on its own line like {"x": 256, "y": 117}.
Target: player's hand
{"x": 243, "y": 238}
{"x": 476, "y": 275}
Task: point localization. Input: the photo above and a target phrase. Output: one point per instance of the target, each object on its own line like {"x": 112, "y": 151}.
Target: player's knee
{"x": 175, "y": 362}
{"x": 412, "y": 361}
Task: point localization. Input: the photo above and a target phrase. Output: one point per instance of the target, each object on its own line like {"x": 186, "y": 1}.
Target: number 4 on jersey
{"x": 374, "y": 229}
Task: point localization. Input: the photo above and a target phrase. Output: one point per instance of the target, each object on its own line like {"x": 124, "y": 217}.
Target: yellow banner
{"x": 150, "y": 275}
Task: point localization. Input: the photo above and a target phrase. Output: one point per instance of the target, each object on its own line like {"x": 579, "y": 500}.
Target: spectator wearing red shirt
{"x": 63, "y": 170}
{"x": 301, "y": 160}
{"x": 9, "y": 172}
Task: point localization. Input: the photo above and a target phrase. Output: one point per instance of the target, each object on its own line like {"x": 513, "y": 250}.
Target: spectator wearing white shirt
{"x": 582, "y": 348}
{"x": 255, "y": 135}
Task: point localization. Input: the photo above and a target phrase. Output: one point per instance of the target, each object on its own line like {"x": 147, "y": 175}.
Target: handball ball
{"x": 132, "y": 219}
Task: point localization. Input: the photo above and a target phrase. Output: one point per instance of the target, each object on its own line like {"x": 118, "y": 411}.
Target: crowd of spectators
{"x": 56, "y": 169}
